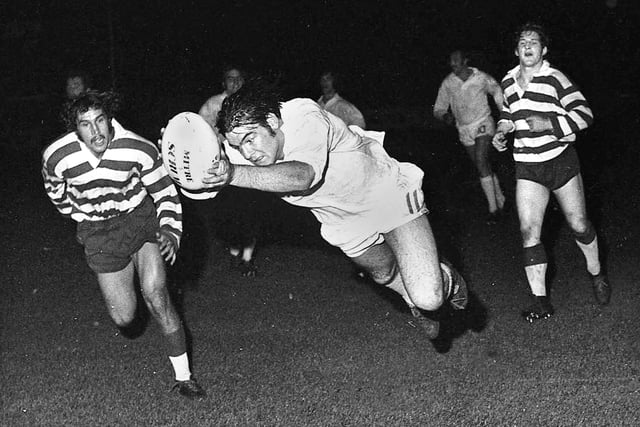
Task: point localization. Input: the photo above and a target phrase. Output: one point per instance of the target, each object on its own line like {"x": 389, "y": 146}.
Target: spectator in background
{"x": 234, "y": 215}
{"x": 463, "y": 100}
{"x": 77, "y": 83}
{"x": 332, "y": 102}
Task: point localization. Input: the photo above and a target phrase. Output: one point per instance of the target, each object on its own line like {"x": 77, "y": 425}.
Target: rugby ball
{"x": 189, "y": 147}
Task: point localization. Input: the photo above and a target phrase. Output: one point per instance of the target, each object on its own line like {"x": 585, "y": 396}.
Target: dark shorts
{"x": 110, "y": 244}
{"x": 553, "y": 173}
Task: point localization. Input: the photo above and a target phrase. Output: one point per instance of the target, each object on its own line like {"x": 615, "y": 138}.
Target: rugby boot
{"x": 430, "y": 326}
{"x": 539, "y": 310}
{"x": 190, "y": 389}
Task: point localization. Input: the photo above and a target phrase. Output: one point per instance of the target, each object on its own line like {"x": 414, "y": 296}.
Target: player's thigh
{"x": 482, "y": 145}
{"x": 119, "y": 294}
{"x": 415, "y": 250}
{"x": 151, "y": 269}
{"x": 531, "y": 201}
{"x": 572, "y": 202}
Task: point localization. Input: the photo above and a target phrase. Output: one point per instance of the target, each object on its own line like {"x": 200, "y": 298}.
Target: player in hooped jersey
{"x": 545, "y": 110}
{"x": 129, "y": 217}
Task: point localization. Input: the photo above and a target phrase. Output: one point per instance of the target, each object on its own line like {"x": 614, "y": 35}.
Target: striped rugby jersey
{"x": 549, "y": 94}
{"x": 86, "y": 188}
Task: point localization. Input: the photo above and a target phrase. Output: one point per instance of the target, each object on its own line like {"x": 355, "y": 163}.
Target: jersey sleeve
{"x": 54, "y": 184}
{"x": 442, "y": 103}
{"x": 578, "y": 113}
{"x": 494, "y": 89}
{"x": 163, "y": 192}
{"x": 505, "y": 110}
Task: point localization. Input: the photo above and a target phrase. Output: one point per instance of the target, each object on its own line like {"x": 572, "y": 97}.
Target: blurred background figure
{"x": 233, "y": 216}
{"x": 232, "y": 80}
{"x": 77, "y": 83}
{"x": 332, "y": 102}
{"x": 463, "y": 100}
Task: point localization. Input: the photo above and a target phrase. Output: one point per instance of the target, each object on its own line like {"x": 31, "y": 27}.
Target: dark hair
{"x": 535, "y": 28}
{"x": 108, "y": 102}
{"x": 336, "y": 79}
{"x": 251, "y": 104}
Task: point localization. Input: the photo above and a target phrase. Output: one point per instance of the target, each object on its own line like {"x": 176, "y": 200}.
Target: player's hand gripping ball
{"x": 189, "y": 147}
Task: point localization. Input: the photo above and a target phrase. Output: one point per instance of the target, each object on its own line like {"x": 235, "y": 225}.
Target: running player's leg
{"x": 380, "y": 264}
{"x": 571, "y": 199}
{"x": 119, "y": 295}
{"x": 416, "y": 253}
{"x": 572, "y": 202}
{"x": 153, "y": 283}
{"x": 151, "y": 271}
{"x": 531, "y": 200}
{"x": 489, "y": 180}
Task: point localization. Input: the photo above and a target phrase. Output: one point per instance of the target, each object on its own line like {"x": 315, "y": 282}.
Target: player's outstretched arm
{"x": 283, "y": 177}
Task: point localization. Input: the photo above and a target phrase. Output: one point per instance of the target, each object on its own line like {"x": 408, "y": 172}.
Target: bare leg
{"x": 572, "y": 201}
{"x": 409, "y": 250}
{"x": 532, "y": 199}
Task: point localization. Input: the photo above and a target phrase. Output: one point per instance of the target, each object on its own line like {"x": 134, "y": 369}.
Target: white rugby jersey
{"x": 468, "y": 98}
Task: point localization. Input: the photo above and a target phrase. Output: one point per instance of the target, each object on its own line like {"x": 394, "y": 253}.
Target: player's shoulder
{"x": 556, "y": 73}
{"x": 484, "y": 75}
{"x": 61, "y": 147}
{"x": 449, "y": 80}
{"x": 124, "y": 138}
{"x": 308, "y": 102}
{"x": 300, "y": 106}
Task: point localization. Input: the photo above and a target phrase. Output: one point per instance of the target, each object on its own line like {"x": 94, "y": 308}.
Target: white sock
{"x": 181, "y": 367}
{"x": 591, "y": 255}
{"x": 247, "y": 252}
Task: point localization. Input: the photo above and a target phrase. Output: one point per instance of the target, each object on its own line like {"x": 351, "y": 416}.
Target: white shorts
{"x": 407, "y": 203}
{"x": 469, "y": 133}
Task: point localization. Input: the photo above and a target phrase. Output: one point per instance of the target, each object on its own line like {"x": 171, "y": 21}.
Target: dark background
{"x": 165, "y": 56}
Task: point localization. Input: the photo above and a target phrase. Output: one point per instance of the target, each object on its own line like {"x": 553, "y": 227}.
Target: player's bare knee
{"x": 430, "y": 300}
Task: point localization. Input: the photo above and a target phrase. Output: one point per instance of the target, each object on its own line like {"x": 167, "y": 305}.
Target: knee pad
{"x": 534, "y": 255}
{"x": 587, "y": 236}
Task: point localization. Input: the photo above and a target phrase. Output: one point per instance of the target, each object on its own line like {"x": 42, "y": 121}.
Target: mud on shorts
{"x": 110, "y": 244}
{"x": 553, "y": 173}
{"x": 468, "y": 133}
